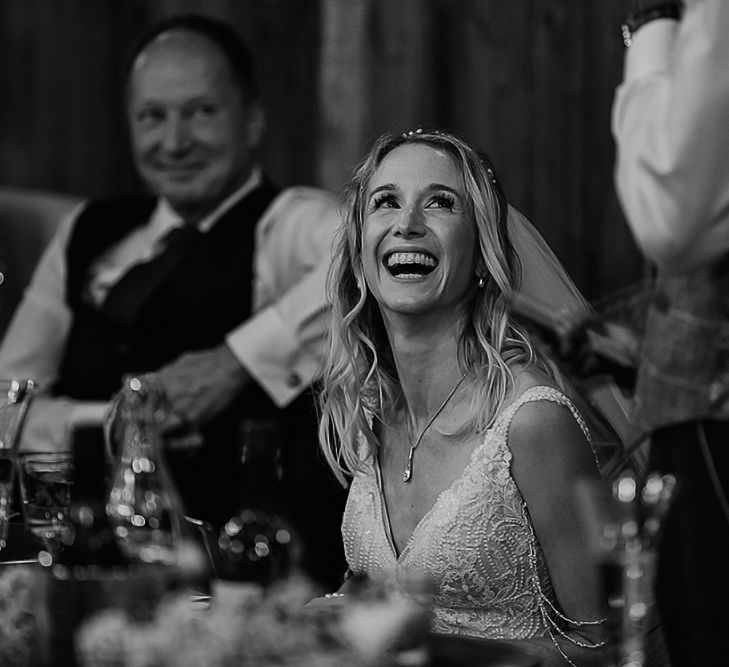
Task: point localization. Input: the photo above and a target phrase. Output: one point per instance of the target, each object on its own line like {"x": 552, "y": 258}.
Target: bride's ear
{"x": 481, "y": 272}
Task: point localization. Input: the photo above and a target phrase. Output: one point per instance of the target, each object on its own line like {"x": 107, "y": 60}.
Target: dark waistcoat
{"x": 206, "y": 295}
{"x": 684, "y": 371}
{"x": 201, "y": 300}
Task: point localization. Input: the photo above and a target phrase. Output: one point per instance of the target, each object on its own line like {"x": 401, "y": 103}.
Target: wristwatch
{"x": 644, "y": 12}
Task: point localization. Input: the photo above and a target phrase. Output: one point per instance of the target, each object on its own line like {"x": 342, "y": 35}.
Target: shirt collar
{"x": 164, "y": 217}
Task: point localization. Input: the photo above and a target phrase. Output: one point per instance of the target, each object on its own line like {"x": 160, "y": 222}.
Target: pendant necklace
{"x": 407, "y": 474}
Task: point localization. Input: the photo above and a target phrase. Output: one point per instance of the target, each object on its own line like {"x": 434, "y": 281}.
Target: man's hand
{"x": 200, "y": 385}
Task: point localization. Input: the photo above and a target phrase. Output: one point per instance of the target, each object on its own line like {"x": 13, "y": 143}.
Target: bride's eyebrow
{"x": 387, "y": 187}
{"x": 441, "y": 186}
{"x": 391, "y": 187}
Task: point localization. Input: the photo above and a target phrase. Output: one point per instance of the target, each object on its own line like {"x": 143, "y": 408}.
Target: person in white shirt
{"x": 232, "y": 319}
{"x": 670, "y": 122}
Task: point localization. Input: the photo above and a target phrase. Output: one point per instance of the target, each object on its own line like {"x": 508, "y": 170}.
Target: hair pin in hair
{"x": 414, "y": 133}
{"x": 491, "y": 174}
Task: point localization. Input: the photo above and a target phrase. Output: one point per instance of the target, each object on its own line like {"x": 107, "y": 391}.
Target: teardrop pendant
{"x": 408, "y": 472}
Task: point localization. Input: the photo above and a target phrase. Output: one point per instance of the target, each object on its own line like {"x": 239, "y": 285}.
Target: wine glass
{"x": 622, "y": 526}
{"x": 15, "y": 397}
{"x": 45, "y": 488}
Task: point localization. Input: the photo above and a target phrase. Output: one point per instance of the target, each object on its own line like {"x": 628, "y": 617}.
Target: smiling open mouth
{"x": 408, "y": 264}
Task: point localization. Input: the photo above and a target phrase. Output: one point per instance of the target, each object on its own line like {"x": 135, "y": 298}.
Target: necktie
{"x": 125, "y": 298}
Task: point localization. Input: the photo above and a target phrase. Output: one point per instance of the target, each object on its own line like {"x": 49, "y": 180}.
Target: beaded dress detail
{"x": 476, "y": 543}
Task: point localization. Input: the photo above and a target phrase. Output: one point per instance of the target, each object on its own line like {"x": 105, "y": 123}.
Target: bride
{"x": 463, "y": 448}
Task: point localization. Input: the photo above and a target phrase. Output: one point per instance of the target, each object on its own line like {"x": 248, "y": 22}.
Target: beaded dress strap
{"x": 551, "y": 615}
{"x": 540, "y": 393}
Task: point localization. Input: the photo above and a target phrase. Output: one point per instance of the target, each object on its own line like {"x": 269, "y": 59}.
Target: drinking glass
{"x": 15, "y": 397}
{"x": 45, "y": 488}
{"x": 622, "y": 526}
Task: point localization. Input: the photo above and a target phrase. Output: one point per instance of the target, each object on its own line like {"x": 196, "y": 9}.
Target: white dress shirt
{"x": 671, "y": 125}
{"x": 281, "y": 345}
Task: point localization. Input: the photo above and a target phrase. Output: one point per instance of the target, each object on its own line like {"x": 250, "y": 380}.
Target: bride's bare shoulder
{"x": 526, "y": 377}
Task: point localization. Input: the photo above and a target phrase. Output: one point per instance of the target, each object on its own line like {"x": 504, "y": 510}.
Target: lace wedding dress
{"x": 476, "y": 543}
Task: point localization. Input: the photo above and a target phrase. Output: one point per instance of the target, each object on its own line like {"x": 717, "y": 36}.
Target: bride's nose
{"x": 410, "y": 223}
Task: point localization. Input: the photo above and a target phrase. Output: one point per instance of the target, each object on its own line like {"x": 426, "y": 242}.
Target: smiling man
{"x": 194, "y": 129}
{"x": 215, "y": 280}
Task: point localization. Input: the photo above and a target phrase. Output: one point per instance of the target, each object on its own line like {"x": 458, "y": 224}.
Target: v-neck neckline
{"x": 385, "y": 514}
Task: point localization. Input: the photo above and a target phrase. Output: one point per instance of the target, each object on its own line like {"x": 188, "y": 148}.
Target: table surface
{"x": 445, "y": 650}
{"x": 455, "y": 651}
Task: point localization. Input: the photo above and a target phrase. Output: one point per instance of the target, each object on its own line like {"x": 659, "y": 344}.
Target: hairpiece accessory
{"x": 407, "y": 474}
{"x": 491, "y": 174}
{"x": 414, "y": 133}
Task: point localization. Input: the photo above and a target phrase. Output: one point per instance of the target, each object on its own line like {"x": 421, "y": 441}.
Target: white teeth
{"x": 410, "y": 258}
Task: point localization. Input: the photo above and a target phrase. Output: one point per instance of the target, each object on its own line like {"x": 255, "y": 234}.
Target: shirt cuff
{"x": 50, "y": 422}
{"x": 88, "y": 413}
{"x": 651, "y": 49}
{"x": 274, "y": 358}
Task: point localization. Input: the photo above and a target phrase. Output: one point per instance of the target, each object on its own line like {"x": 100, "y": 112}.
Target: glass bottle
{"x": 143, "y": 504}
{"x": 88, "y": 545}
{"x": 628, "y": 559}
{"x": 15, "y": 397}
{"x": 256, "y": 549}
{"x": 81, "y": 576}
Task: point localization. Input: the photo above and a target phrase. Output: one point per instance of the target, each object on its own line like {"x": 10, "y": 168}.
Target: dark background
{"x": 530, "y": 81}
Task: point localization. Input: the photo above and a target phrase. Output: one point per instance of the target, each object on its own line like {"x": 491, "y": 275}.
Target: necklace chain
{"x": 407, "y": 474}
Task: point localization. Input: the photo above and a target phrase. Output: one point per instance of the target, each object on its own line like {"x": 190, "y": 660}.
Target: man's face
{"x": 192, "y": 132}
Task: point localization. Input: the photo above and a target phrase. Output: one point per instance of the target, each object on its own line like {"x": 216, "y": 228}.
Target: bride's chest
{"x": 437, "y": 464}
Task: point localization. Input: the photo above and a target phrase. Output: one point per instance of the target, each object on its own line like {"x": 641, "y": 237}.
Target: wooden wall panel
{"x": 558, "y": 161}
{"x": 344, "y": 77}
{"x": 531, "y": 81}
{"x": 403, "y": 93}
{"x": 490, "y": 86}
{"x": 610, "y": 248}
{"x": 61, "y": 126}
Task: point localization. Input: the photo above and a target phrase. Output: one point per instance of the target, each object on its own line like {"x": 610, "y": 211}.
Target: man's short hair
{"x": 236, "y": 52}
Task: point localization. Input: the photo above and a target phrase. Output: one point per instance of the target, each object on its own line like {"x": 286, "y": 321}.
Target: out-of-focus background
{"x": 531, "y": 81}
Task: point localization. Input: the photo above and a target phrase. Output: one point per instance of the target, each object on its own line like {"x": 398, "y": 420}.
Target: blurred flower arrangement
{"x": 22, "y": 618}
{"x": 250, "y": 628}
{"x": 284, "y": 625}
{"x": 246, "y": 629}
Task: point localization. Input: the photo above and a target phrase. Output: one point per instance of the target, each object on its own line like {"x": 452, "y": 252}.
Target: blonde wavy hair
{"x": 360, "y": 382}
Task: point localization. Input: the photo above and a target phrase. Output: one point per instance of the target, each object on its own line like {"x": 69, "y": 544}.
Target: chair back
{"x": 28, "y": 220}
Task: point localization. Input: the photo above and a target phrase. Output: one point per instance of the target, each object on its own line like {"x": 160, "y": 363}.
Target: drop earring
{"x": 481, "y": 282}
